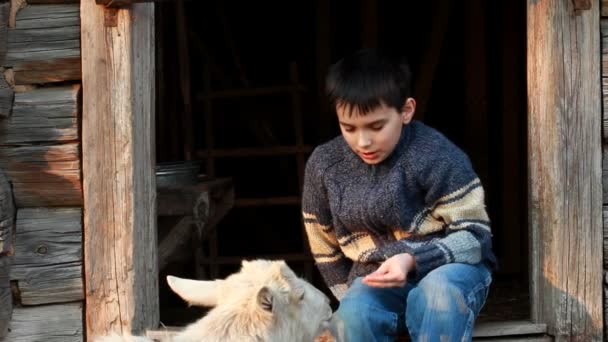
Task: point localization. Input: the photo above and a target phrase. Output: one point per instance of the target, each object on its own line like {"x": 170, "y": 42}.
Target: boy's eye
{"x": 348, "y": 129}
{"x": 377, "y": 127}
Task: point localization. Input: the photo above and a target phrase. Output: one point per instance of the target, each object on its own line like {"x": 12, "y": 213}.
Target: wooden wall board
{"x": 44, "y": 175}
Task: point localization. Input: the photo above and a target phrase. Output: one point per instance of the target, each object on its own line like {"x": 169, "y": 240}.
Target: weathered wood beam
{"x": 5, "y": 9}
{"x": 38, "y": 2}
{"x": 120, "y": 247}
{"x": 6, "y": 97}
{"x": 44, "y": 45}
{"x": 565, "y": 168}
{"x": 6, "y": 301}
{"x": 605, "y": 230}
{"x": 47, "y": 264}
{"x": 7, "y": 215}
{"x": 44, "y": 175}
{"x": 42, "y": 115}
{"x": 48, "y": 323}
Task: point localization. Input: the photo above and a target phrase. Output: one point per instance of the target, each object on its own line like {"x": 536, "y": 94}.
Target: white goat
{"x": 264, "y": 302}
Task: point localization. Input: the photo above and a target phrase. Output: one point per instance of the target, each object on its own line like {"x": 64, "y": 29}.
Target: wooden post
{"x": 7, "y": 217}
{"x": 565, "y": 184}
{"x": 119, "y": 187}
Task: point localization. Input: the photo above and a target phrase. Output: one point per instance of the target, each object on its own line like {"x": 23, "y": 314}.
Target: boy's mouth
{"x": 368, "y": 155}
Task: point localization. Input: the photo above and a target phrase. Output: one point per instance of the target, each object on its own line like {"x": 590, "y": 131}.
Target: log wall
{"x": 41, "y": 275}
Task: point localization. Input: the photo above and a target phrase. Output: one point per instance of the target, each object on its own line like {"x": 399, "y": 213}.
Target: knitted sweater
{"x": 424, "y": 199}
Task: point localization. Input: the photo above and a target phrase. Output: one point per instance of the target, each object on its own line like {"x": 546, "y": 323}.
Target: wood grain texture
{"x": 565, "y": 170}
{"x": 6, "y": 301}
{"x": 5, "y": 10}
{"x": 42, "y": 115}
{"x": 44, "y": 45}
{"x": 6, "y": 96}
{"x": 35, "y": 2}
{"x": 604, "y": 35}
{"x": 120, "y": 244}
{"x": 48, "y": 323}
{"x": 47, "y": 264}
{"x": 7, "y": 215}
{"x": 44, "y": 175}
{"x": 605, "y": 230}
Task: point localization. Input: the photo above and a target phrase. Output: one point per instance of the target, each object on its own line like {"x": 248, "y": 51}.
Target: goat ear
{"x": 195, "y": 292}
{"x": 265, "y": 298}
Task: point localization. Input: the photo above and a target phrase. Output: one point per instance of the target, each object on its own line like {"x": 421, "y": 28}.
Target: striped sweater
{"x": 424, "y": 199}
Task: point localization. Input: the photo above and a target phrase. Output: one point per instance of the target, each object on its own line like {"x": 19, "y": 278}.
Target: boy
{"x": 394, "y": 212}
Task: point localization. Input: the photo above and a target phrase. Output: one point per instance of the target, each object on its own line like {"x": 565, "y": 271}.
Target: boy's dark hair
{"x": 367, "y": 79}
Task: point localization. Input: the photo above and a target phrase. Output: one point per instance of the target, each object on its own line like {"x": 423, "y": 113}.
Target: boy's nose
{"x": 364, "y": 140}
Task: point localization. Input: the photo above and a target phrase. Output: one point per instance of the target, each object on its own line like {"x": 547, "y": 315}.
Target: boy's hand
{"x": 391, "y": 273}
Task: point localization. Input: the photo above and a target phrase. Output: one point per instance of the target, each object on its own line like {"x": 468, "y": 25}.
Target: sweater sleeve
{"x": 454, "y": 214}
{"x": 331, "y": 262}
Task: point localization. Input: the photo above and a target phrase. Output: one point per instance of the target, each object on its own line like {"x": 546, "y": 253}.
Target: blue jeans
{"x": 442, "y": 306}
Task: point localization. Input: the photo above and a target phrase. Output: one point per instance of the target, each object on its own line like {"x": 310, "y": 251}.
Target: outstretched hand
{"x": 392, "y": 272}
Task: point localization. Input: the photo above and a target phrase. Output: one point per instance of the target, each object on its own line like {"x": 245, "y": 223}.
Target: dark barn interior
{"x": 240, "y": 88}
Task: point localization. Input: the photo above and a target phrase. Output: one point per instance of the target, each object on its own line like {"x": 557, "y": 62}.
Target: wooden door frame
{"x": 118, "y": 157}
{"x": 564, "y": 153}
{"x": 565, "y": 167}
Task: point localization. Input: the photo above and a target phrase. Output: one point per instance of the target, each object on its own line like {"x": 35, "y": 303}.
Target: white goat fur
{"x": 264, "y": 301}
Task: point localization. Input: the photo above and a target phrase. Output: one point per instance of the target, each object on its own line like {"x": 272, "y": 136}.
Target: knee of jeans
{"x": 352, "y": 312}
{"x": 361, "y": 319}
{"x": 439, "y": 296}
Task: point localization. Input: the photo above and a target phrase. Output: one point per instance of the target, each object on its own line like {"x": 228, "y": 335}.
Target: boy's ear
{"x": 195, "y": 292}
{"x": 408, "y": 110}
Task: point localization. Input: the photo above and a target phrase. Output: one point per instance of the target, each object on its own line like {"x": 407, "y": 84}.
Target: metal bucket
{"x": 177, "y": 174}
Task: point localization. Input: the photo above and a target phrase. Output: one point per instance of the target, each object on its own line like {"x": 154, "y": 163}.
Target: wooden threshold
{"x": 502, "y": 331}
{"x": 508, "y": 328}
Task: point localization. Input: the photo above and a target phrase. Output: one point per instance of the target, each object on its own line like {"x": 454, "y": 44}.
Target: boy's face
{"x": 373, "y": 136}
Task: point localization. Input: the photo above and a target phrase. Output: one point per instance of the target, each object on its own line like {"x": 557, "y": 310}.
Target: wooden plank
{"x": 605, "y": 232}
{"x": 46, "y": 2}
{"x": 7, "y": 215}
{"x": 604, "y": 8}
{"x": 6, "y": 94}
{"x": 492, "y": 329}
{"x": 6, "y": 300}
{"x": 517, "y": 339}
{"x": 368, "y": 12}
{"x": 605, "y": 104}
{"x": 42, "y": 115}
{"x": 49, "y": 323}
{"x": 185, "y": 200}
{"x": 44, "y": 45}
{"x": 565, "y": 170}
{"x": 178, "y": 236}
{"x": 605, "y": 285}
{"x": 5, "y": 10}
{"x": 44, "y": 175}
{"x": 426, "y": 73}
{"x": 47, "y": 264}
{"x": 604, "y": 35}
{"x": 120, "y": 247}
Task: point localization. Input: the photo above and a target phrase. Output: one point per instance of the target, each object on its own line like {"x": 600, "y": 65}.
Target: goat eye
{"x": 302, "y": 296}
